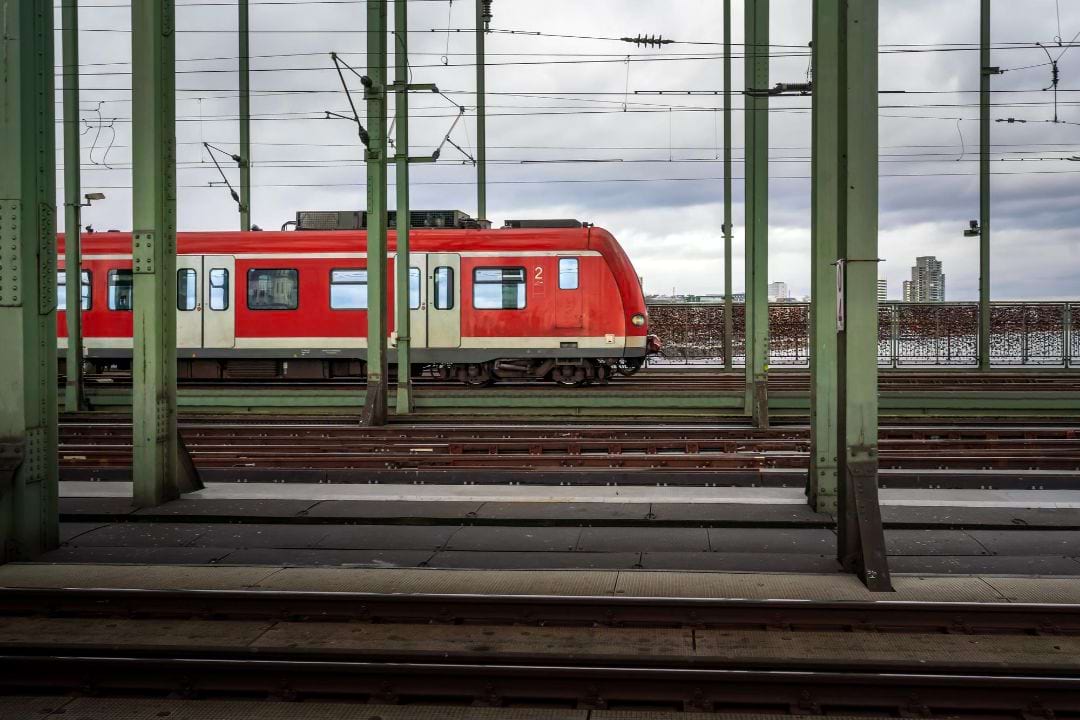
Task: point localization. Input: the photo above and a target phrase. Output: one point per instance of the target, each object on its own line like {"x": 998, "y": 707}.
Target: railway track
{"x": 106, "y": 443}
{"x": 666, "y": 380}
{"x": 896, "y": 659}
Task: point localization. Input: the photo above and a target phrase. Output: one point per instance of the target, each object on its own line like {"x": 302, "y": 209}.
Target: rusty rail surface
{"x": 605, "y": 671}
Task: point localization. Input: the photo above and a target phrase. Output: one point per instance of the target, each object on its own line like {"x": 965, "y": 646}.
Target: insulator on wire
{"x": 647, "y": 40}
{"x": 485, "y": 14}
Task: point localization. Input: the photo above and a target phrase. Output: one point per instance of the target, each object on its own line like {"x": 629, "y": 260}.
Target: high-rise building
{"x": 778, "y": 291}
{"x": 927, "y": 282}
{"x": 882, "y": 290}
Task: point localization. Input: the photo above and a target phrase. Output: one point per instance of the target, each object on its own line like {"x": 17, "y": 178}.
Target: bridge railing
{"x": 1022, "y": 334}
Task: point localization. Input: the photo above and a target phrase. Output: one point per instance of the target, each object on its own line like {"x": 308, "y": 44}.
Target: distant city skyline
{"x": 927, "y": 283}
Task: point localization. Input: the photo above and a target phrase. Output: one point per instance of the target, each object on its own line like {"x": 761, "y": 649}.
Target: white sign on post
{"x": 841, "y": 314}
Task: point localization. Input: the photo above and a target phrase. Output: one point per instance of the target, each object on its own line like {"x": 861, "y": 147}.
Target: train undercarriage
{"x": 568, "y": 372}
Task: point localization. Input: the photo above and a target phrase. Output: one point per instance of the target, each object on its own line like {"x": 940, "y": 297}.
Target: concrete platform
{"x": 564, "y": 528}
{"x": 983, "y": 498}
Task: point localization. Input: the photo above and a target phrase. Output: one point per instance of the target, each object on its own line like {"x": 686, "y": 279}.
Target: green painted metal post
{"x": 825, "y": 225}
{"x": 860, "y": 537}
{"x": 757, "y": 209}
{"x": 481, "y": 118}
{"x": 375, "y": 400}
{"x": 73, "y": 387}
{"x": 28, "y": 407}
{"x": 160, "y": 467}
{"x": 401, "y": 263}
{"x": 729, "y": 305}
{"x": 985, "y": 72}
{"x": 245, "y": 115}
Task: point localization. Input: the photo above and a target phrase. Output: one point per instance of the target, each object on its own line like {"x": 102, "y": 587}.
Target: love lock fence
{"x": 1022, "y": 334}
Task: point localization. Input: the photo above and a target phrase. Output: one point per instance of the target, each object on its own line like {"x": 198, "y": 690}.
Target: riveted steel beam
{"x": 825, "y": 225}
{"x": 159, "y": 474}
{"x": 481, "y": 118}
{"x": 984, "y": 186}
{"x": 404, "y": 396}
{"x": 729, "y": 309}
{"x": 73, "y": 390}
{"x": 244, "y": 36}
{"x": 28, "y": 394}
{"x": 757, "y": 208}
{"x": 860, "y": 537}
{"x": 375, "y": 401}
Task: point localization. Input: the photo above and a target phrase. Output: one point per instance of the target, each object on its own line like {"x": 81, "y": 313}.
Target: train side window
{"x": 187, "y": 289}
{"x": 273, "y": 289}
{"x": 348, "y": 289}
{"x": 444, "y": 288}
{"x": 61, "y": 290}
{"x": 500, "y": 288}
{"x": 219, "y": 289}
{"x": 121, "y": 290}
{"x": 414, "y": 288}
{"x": 568, "y": 273}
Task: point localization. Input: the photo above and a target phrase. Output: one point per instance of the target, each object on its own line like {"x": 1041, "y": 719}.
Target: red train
{"x": 562, "y": 304}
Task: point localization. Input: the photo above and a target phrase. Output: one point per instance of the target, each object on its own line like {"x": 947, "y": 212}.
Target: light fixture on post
{"x": 973, "y": 229}
{"x": 91, "y": 197}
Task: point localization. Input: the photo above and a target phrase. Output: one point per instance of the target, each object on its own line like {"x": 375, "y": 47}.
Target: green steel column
{"x": 825, "y": 191}
{"x": 73, "y": 395}
{"x": 481, "y": 119}
{"x": 729, "y": 320}
{"x": 401, "y": 264}
{"x": 245, "y": 116}
{"x": 984, "y": 189}
{"x": 375, "y": 409}
{"x": 28, "y": 407}
{"x": 155, "y": 470}
{"x": 757, "y": 209}
{"x": 861, "y": 540}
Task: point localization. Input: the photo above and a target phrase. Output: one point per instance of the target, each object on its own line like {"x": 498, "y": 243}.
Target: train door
{"x": 219, "y": 294}
{"x": 419, "y": 300}
{"x": 444, "y": 300}
{"x": 568, "y": 294}
{"x": 189, "y": 300}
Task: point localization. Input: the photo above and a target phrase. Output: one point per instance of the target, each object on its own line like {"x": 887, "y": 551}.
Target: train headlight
{"x": 638, "y": 320}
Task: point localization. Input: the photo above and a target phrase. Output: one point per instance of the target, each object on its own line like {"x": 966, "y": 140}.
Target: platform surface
{"x": 996, "y": 532}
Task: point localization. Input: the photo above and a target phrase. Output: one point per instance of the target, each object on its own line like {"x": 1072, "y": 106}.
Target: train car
{"x": 559, "y": 304}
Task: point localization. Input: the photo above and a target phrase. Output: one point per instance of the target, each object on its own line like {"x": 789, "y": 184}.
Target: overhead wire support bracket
{"x": 211, "y": 149}
{"x": 365, "y": 138}
{"x": 438, "y": 151}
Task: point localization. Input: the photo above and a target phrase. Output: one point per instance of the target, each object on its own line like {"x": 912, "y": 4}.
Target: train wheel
{"x": 630, "y": 366}
{"x": 568, "y": 375}
{"x": 477, "y": 375}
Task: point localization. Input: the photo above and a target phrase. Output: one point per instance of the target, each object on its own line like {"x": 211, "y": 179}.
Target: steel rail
{"x": 547, "y": 610}
{"x": 523, "y": 681}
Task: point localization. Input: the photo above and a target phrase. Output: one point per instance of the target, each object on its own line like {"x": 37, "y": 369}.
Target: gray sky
{"x": 561, "y": 100}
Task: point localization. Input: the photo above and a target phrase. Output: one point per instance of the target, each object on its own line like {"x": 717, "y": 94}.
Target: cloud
{"x": 560, "y": 100}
